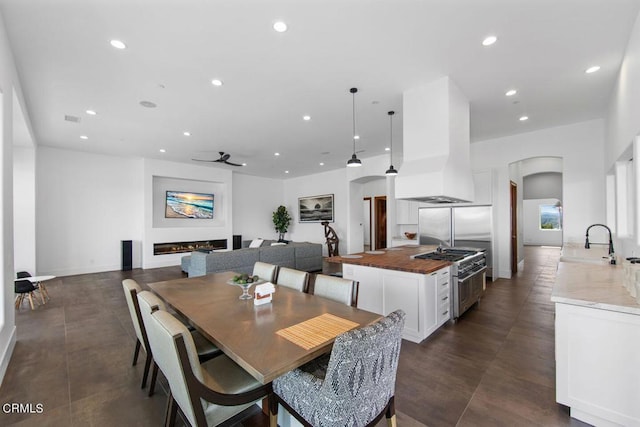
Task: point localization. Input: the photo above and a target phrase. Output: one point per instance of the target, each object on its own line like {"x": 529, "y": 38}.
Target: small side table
{"x": 38, "y": 281}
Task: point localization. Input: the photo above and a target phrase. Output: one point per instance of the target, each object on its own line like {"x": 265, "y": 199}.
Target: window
{"x": 550, "y": 217}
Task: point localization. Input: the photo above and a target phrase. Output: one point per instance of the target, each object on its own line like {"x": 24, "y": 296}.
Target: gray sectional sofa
{"x": 299, "y": 255}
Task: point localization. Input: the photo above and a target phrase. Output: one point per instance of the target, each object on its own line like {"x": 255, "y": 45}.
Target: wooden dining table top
{"x": 247, "y": 333}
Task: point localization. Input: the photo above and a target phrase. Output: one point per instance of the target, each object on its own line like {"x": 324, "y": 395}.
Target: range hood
{"x": 436, "y": 164}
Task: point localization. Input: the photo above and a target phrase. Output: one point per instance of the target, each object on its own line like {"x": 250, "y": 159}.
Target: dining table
{"x": 266, "y": 340}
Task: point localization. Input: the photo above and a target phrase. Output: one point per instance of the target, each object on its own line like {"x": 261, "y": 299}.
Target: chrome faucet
{"x": 587, "y": 245}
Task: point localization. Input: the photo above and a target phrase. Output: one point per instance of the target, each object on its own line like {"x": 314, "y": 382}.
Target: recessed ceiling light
{"x": 216, "y": 82}
{"x": 84, "y": 137}
{"x": 356, "y": 136}
{"x": 276, "y": 154}
{"x": 592, "y": 69}
{"x": 286, "y": 171}
{"x": 91, "y": 112}
{"x": 387, "y": 149}
{"x": 524, "y": 118}
{"x": 511, "y": 92}
{"x": 306, "y": 118}
{"x": 280, "y": 26}
{"x": 488, "y": 41}
{"x": 118, "y": 44}
{"x": 162, "y": 150}
{"x": 186, "y": 133}
{"x": 321, "y": 164}
{"x": 244, "y": 164}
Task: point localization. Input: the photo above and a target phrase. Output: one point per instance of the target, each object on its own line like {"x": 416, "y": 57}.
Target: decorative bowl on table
{"x": 245, "y": 281}
{"x": 410, "y": 236}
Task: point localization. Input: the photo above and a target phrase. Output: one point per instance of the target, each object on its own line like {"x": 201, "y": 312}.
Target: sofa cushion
{"x": 256, "y": 243}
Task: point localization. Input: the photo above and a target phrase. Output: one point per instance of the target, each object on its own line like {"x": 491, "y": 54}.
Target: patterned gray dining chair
{"x": 294, "y": 279}
{"x": 265, "y": 271}
{"x": 354, "y": 386}
{"x": 208, "y": 393}
{"x": 148, "y": 303}
{"x": 336, "y": 288}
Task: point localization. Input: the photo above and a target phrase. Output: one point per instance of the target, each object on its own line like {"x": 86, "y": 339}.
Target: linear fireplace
{"x": 190, "y": 246}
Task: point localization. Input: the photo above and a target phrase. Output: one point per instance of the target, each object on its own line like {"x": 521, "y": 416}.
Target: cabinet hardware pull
{"x": 445, "y": 312}
{"x": 445, "y": 298}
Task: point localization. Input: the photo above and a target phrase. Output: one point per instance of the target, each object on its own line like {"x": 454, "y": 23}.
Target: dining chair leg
{"x": 19, "y": 300}
{"x": 31, "y": 300}
{"x": 39, "y": 285}
{"x": 136, "y": 352}
{"x": 273, "y": 410}
{"x": 147, "y": 364}
{"x": 391, "y": 413}
{"x": 154, "y": 376}
{"x": 172, "y": 410}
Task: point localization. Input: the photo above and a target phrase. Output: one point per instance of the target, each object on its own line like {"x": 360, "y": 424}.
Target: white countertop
{"x": 593, "y": 285}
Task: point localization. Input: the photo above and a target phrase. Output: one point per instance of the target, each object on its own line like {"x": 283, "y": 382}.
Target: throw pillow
{"x": 278, "y": 244}
{"x": 255, "y": 243}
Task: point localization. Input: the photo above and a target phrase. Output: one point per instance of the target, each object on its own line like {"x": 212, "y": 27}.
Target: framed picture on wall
{"x": 316, "y": 208}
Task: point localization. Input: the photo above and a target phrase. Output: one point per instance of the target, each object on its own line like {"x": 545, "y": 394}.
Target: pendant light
{"x": 391, "y": 171}
{"x": 354, "y": 161}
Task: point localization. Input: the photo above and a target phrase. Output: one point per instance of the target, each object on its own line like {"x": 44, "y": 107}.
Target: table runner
{"x": 316, "y": 331}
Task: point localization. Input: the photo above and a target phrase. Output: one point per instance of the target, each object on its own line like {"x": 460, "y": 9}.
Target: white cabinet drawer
{"x": 444, "y": 312}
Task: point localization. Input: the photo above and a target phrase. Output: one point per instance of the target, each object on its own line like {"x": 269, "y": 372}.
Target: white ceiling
{"x": 383, "y": 47}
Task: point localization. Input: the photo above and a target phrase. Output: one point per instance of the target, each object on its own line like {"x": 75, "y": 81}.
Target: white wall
{"x": 87, "y": 204}
{"x": 532, "y": 234}
{"x": 24, "y": 208}
{"x": 254, "y": 201}
{"x": 580, "y": 145}
{"x": 209, "y": 177}
{"x": 331, "y": 182}
{"x": 623, "y": 123}
{"x": 9, "y": 83}
{"x": 543, "y": 186}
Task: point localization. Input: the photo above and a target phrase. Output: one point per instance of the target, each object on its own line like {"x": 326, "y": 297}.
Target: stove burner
{"x": 441, "y": 256}
{"x": 447, "y": 254}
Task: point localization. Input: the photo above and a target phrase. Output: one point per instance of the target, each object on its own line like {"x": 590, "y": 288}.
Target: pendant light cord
{"x": 353, "y": 97}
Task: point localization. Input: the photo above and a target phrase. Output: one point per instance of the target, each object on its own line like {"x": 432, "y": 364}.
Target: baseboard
{"x": 6, "y": 353}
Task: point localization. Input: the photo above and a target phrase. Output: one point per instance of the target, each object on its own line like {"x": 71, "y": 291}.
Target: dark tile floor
{"x": 494, "y": 367}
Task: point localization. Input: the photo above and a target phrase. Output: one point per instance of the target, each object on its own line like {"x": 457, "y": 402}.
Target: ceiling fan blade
{"x": 231, "y": 164}
{"x": 202, "y": 160}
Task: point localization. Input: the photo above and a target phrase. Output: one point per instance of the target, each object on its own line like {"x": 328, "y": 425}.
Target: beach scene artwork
{"x": 316, "y": 208}
{"x": 189, "y": 205}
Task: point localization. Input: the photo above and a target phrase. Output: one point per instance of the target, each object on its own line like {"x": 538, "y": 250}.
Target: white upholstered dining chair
{"x": 336, "y": 288}
{"x": 208, "y": 393}
{"x": 294, "y": 279}
{"x": 147, "y": 304}
{"x": 265, "y": 271}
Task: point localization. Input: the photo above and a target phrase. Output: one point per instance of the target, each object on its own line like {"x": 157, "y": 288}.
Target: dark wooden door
{"x": 380, "y": 203}
{"x": 514, "y": 228}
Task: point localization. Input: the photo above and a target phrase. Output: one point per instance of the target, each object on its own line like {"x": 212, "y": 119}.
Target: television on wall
{"x": 182, "y": 204}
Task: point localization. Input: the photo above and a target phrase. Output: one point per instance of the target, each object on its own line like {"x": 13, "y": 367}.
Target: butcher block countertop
{"x": 397, "y": 258}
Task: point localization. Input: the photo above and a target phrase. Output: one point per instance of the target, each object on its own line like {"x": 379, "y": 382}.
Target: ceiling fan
{"x": 224, "y": 158}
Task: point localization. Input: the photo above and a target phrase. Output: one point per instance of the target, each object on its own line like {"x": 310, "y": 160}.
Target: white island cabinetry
{"x": 423, "y": 297}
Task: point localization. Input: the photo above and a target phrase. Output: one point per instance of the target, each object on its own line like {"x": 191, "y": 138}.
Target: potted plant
{"x": 281, "y": 221}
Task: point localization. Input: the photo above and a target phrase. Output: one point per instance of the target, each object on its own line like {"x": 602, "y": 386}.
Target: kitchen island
{"x": 597, "y": 344}
{"x": 390, "y": 279}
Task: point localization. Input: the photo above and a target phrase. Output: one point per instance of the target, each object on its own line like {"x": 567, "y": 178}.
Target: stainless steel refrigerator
{"x": 464, "y": 226}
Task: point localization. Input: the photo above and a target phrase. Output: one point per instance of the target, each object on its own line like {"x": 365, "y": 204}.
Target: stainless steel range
{"x": 468, "y": 273}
